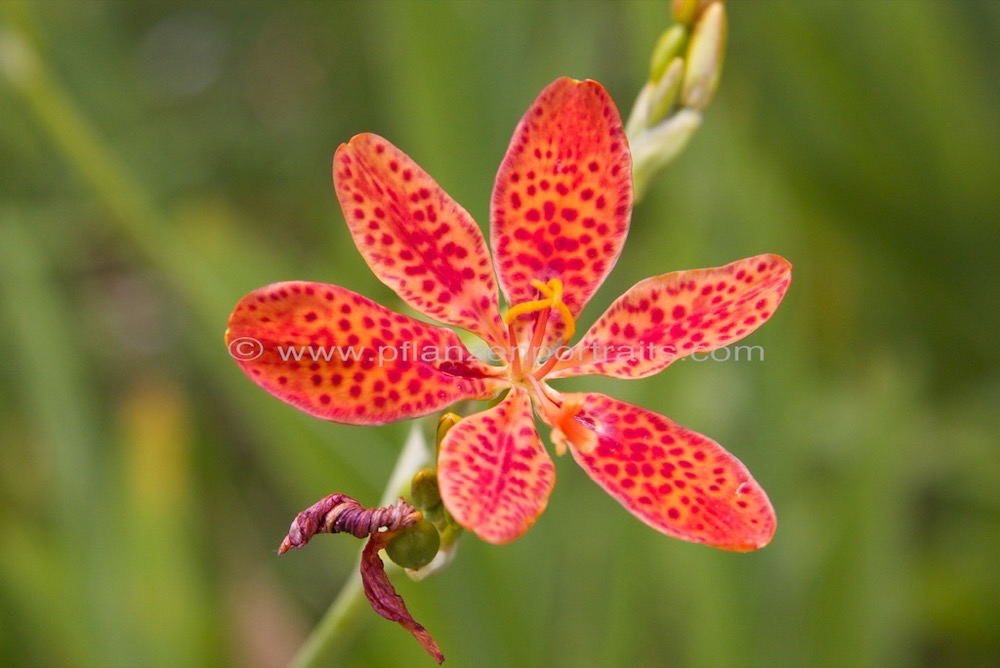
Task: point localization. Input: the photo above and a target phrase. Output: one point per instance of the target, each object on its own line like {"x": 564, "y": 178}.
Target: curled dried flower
{"x": 384, "y": 599}
{"x": 338, "y": 513}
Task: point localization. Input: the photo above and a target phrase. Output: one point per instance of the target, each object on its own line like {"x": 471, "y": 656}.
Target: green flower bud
{"x": 447, "y": 421}
{"x": 415, "y": 546}
{"x": 638, "y": 118}
{"x": 664, "y": 95}
{"x": 685, "y": 11}
{"x": 424, "y": 489}
{"x": 450, "y": 533}
{"x": 449, "y": 528}
{"x": 688, "y": 11}
{"x": 657, "y": 146}
{"x": 706, "y": 49}
{"x": 669, "y": 46}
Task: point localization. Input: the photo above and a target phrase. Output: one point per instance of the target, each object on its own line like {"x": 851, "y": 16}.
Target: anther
{"x": 552, "y": 294}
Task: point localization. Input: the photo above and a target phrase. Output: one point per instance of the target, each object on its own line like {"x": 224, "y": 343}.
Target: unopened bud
{"x": 704, "y": 58}
{"x": 638, "y": 118}
{"x": 657, "y": 146}
{"x": 424, "y": 489}
{"x": 449, "y": 528}
{"x": 450, "y": 533}
{"x": 415, "y": 546}
{"x": 664, "y": 95}
{"x": 669, "y": 46}
{"x": 685, "y": 11}
{"x": 447, "y": 421}
{"x": 688, "y": 11}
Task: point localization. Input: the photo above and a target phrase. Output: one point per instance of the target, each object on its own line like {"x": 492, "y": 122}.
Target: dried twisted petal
{"x": 495, "y": 476}
{"x": 383, "y": 597}
{"x": 563, "y": 197}
{"x": 666, "y": 317}
{"x": 339, "y": 513}
{"x": 337, "y": 355}
{"x": 677, "y": 481}
{"x": 416, "y": 238}
{"x": 313, "y": 520}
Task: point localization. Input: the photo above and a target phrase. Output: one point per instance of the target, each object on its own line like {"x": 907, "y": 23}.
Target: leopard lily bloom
{"x": 559, "y": 217}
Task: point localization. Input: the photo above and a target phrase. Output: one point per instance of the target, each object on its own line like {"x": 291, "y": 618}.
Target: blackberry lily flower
{"x": 559, "y": 217}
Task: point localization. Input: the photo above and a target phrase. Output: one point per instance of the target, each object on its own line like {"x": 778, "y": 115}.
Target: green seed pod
{"x": 415, "y": 546}
{"x": 424, "y": 489}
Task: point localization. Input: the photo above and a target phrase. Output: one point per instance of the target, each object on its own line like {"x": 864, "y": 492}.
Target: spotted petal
{"x": 666, "y": 317}
{"x": 416, "y": 238}
{"x": 677, "y": 481}
{"x": 495, "y": 476}
{"x": 339, "y": 356}
{"x": 563, "y": 196}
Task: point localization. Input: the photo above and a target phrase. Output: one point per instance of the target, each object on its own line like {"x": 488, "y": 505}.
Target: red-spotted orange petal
{"x": 339, "y": 356}
{"x": 679, "y": 482}
{"x": 666, "y": 317}
{"x": 416, "y": 238}
{"x": 495, "y": 476}
{"x": 563, "y": 197}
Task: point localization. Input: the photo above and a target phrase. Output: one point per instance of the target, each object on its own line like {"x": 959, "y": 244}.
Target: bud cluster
{"x": 684, "y": 73}
{"x": 428, "y": 545}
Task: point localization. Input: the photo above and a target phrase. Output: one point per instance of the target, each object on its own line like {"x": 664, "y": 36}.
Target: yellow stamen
{"x": 547, "y": 289}
{"x": 552, "y": 293}
{"x": 526, "y": 307}
{"x": 552, "y": 289}
{"x": 568, "y": 320}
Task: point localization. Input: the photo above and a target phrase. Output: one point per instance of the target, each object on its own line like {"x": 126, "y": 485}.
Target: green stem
{"x": 338, "y": 623}
{"x": 341, "y": 620}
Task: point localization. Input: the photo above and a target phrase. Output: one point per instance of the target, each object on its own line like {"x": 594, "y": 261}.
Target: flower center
{"x": 552, "y": 293}
{"x": 559, "y": 414}
{"x": 552, "y": 298}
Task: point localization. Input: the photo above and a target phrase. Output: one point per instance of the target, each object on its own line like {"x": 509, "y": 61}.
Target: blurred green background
{"x": 162, "y": 159}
